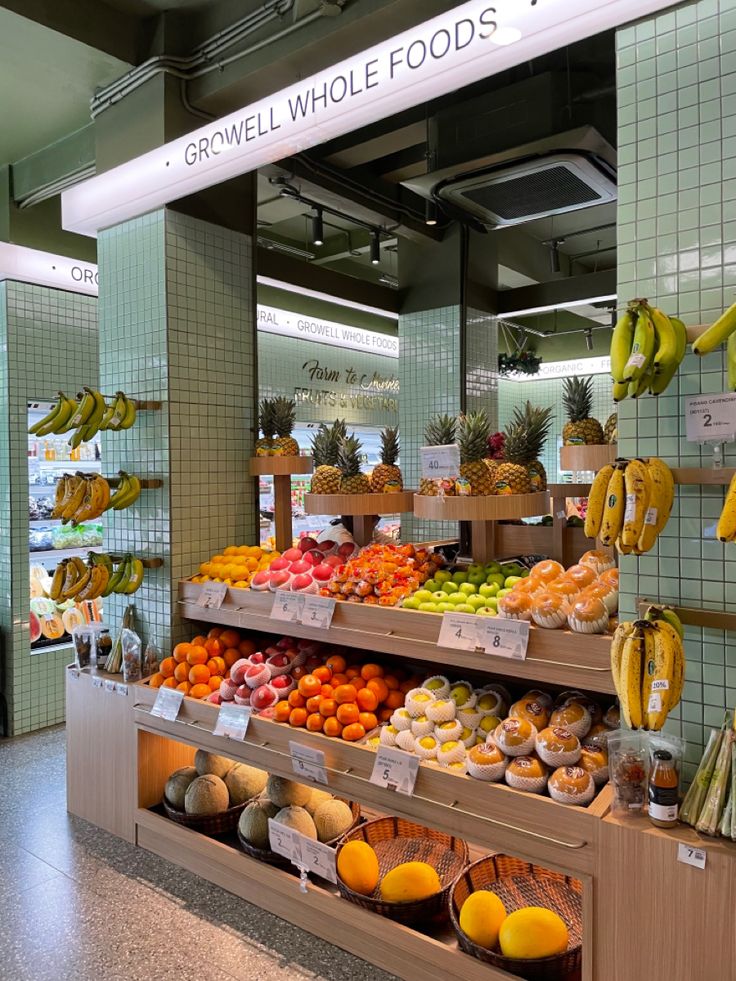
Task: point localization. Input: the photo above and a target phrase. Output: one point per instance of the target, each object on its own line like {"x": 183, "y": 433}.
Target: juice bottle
{"x": 663, "y": 790}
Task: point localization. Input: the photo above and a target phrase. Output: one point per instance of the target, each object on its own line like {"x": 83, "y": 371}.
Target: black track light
{"x": 430, "y": 212}
{"x": 554, "y": 257}
{"x": 375, "y": 248}
{"x": 589, "y": 338}
{"x": 318, "y": 229}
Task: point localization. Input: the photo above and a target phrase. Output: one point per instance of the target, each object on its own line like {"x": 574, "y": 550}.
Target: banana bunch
{"x": 76, "y": 580}
{"x": 80, "y": 497}
{"x": 86, "y": 416}
{"x": 629, "y": 504}
{"x": 647, "y": 347}
{"x": 128, "y": 491}
{"x": 726, "y": 529}
{"x": 648, "y": 668}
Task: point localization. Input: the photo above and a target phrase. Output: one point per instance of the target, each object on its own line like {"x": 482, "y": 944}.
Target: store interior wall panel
{"x": 677, "y": 246}
{"x": 48, "y": 342}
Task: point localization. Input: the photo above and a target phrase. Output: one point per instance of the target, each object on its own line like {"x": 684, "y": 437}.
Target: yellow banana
{"x": 597, "y": 501}
{"x": 666, "y": 352}
{"x": 632, "y": 660}
{"x": 620, "y": 391}
{"x": 98, "y": 580}
{"x": 621, "y": 633}
{"x": 639, "y": 387}
{"x": 726, "y": 529}
{"x": 621, "y": 341}
{"x": 57, "y": 580}
{"x": 638, "y": 486}
{"x": 661, "y": 499}
{"x": 670, "y": 631}
{"x": 664, "y": 377}
{"x": 84, "y": 410}
{"x": 731, "y": 361}
{"x": 76, "y": 588}
{"x": 62, "y": 489}
{"x": 71, "y": 576}
{"x": 658, "y": 677}
{"x": 41, "y": 427}
{"x": 130, "y": 413}
{"x": 715, "y": 335}
{"x": 622, "y": 549}
{"x": 75, "y": 500}
{"x": 135, "y": 577}
{"x": 613, "y": 512}
{"x": 642, "y": 350}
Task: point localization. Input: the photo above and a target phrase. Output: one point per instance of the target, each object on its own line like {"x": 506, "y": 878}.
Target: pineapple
{"x": 284, "y": 412}
{"x": 610, "y": 430}
{"x": 440, "y": 431}
{"x": 325, "y": 447}
{"x": 264, "y": 446}
{"x": 348, "y": 461}
{"x": 581, "y": 430}
{"x": 387, "y": 473}
{"x": 512, "y": 476}
{"x": 537, "y": 423}
{"x": 472, "y": 437}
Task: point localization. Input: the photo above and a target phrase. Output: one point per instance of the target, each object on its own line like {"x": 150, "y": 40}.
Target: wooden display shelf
{"x": 703, "y": 475}
{"x": 152, "y": 563}
{"x": 146, "y": 483}
{"x": 585, "y": 458}
{"x": 501, "y": 507}
{"x": 554, "y": 657}
{"x": 693, "y": 616}
{"x": 279, "y": 466}
{"x": 362, "y": 508}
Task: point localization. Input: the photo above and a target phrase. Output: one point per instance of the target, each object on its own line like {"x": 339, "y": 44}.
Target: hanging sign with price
{"x": 167, "y": 704}
{"x": 308, "y": 763}
{"x": 232, "y": 721}
{"x": 287, "y": 606}
{"x": 212, "y": 595}
{"x": 285, "y": 841}
{"x": 395, "y": 770}
{"x": 459, "y": 631}
{"x": 307, "y": 855}
{"x": 502, "y": 637}
{"x": 711, "y": 418}
{"x": 440, "y": 462}
{"x": 317, "y": 611}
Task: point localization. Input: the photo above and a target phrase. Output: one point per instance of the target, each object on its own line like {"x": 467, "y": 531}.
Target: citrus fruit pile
{"x": 236, "y": 565}
{"x": 199, "y": 667}
{"x": 383, "y": 575}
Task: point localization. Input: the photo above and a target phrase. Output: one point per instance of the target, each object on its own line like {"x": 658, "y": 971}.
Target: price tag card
{"x": 459, "y": 631}
{"x": 167, "y": 704}
{"x": 317, "y": 611}
{"x": 232, "y": 721}
{"x": 318, "y": 858}
{"x": 74, "y": 673}
{"x": 97, "y": 682}
{"x": 395, "y": 770}
{"x": 287, "y": 606}
{"x": 711, "y": 418}
{"x": 109, "y": 685}
{"x": 503, "y": 638}
{"x": 284, "y": 841}
{"x": 121, "y": 689}
{"x": 440, "y": 462}
{"x": 691, "y": 856}
{"x": 212, "y": 595}
{"x": 308, "y": 763}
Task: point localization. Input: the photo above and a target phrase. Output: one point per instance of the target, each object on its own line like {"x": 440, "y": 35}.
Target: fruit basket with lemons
{"x": 519, "y": 917}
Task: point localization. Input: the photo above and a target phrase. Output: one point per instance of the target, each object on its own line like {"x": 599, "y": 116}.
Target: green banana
{"x": 666, "y": 353}
{"x": 117, "y": 578}
{"x": 620, "y": 391}
{"x": 130, "y": 413}
{"x": 50, "y": 417}
{"x": 717, "y": 333}
{"x": 135, "y": 577}
{"x": 642, "y": 349}
{"x": 621, "y": 341}
{"x": 84, "y": 410}
{"x": 639, "y": 387}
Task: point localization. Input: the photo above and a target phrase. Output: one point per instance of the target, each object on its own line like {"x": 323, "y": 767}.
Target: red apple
{"x": 334, "y": 561}
{"x": 292, "y": 555}
{"x": 279, "y": 565}
{"x": 237, "y": 671}
{"x": 306, "y": 543}
{"x": 303, "y": 584}
{"x": 215, "y": 697}
{"x": 347, "y": 550}
{"x": 271, "y": 650}
{"x": 285, "y": 643}
{"x": 258, "y": 658}
{"x": 312, "y": 663}
{"x": 279, "y": 580}
{"x": 268, "y": 713}
{"x": 326, "y": 546}
{"x": 260, "y": 581}
{"x": 300, "y": 568}
{"x": 323, "y": 573}
{"x": 257, "y": 674}
{"x": 282, "y": 681}
{"x": 227, "y": 690}
{"x": 263, "y": 697}
{"x": 242, "y": 695}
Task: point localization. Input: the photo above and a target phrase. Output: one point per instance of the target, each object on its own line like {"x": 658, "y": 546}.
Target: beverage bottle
{"x": 663, "y": 790}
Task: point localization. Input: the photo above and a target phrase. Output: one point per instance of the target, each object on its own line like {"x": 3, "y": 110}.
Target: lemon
{"x": 533, "y": 932}
{"x": 481, "y": 917}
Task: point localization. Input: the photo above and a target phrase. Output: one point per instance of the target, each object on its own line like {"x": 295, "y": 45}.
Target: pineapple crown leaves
{"x": 440, "y": 430}
{"x": 284, "y": 415}
{"x": 266, "y": 418}
{"x": 516, "y": 448}
{"x": 389, "y": 445}
{"x": 577, "y": 395}
{"x": 536, "y": 423}
{"x": 472, "y": 436}
{"x": 348, "y": 456}
{"x": 326, "y": 443}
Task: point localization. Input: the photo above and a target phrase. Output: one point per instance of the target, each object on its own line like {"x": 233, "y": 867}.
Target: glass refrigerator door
{"x": 49, "y": 539}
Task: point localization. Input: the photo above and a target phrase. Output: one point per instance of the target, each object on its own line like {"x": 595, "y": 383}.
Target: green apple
{"x": 477, "y": 577}
{"x": 460, "y": 576}
{"x": 511, "y": 568}
{"x": 476, "y": 602}
{"x": 488, "y": 589}
{"x": 486, "y": 611}
{"x": 423, "y": 595}
{"x": 524, "y": 573}
{"x": 445, "y": 607}
{"x": 457, "y": 598}
{"x": 439, "y": 596}
{"x": 428, "y": 607}
{"x": 449, "y": 587}
{"x": 502, "y": 592}
{"x": 464, "y": 608}
{"x": 475, "y": 567}
{"x": 511, "y": 581}
{"x": 468, "y": 588}
{"x": 491, "y": 603}
{"x": 442, "y": 576}
{"x": 495, "y": 577}
{"x": 410, "y": 603}
{"x": 492, "y": 567}
{"x": 432, "y": 585}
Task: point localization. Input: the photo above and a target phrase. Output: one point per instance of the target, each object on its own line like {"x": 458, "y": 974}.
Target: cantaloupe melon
{"x": 253, "y": 823}
{"x": 205, "y": 762}
{"x": 206, "y": 795}
{"x": 318, "y": 797}
{"x": 332, "y": 818}
{"x": 244, "y": 783}
{"x": 178, "y": 784}
{"x": 287, "y": 793}
{"x": 299, "y": 819}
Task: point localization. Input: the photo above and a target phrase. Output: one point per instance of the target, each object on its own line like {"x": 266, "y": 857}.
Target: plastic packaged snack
{"x": 628, "y": 761}
{"x": 131, "y": 644}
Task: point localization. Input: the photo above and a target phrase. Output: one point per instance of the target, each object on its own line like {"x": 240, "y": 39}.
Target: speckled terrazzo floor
{"x": 77, "y": 904}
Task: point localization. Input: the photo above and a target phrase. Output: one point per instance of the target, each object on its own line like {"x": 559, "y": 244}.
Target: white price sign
{"x": 308, "y": 763}
{"x": 317, "y": 611}
{"x": 319, "y": 859}
{"x": 109, "y": 686}
{"x": 691, "y": 856}
{"x": 395, "y": 770}
{"x": 232, "y": 721}
{"x": 502, "y": 637}
{"x": 711, "y": 418}
{"x": 212, "y": 595}
{"x": 121, "y": 689}
{"x": 287, "y": 606}
{"x": 167, "y": 704}
{"x": 284, "y": 841}
{"x": 459, "y": 631}
{"x": 96, "y": 682}
{"x": 440, "y": 462}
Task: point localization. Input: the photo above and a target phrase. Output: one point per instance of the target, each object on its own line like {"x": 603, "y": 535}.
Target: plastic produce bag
{"x": 628, "y": 761}
{"x": 151, "y": 659}
{"x": 131, "y": 644}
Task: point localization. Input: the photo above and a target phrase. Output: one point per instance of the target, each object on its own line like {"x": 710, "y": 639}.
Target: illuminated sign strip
{"x": 44, "y": 269}
{"x": 563, "y": 369}
{"x": 284, "y": 322}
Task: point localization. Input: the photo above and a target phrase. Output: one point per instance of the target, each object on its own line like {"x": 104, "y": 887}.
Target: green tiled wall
{"x": 48, "y": 341}
{"x": 176, "y": 326}
{"x": 677, "y": 246}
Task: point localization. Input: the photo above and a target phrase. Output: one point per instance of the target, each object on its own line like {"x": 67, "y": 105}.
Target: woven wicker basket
{"x": 214, "y": 824}
{"x": 266, "y": 855}
{"x": 395, "y": 841}
{"x": 519, "y": 884}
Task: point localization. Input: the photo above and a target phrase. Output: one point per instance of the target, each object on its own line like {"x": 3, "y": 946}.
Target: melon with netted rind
{"x": 178, "y": 784}
{"x": 299, "y": 819}
{"x": 317, "y": 797}
{"x": 332, "y": 818}
{"x": 253, "y": 823}
{"x": 206, "y": 795}
{"x": 287, "y": 793}
{"x": 244, "y": 783}
{"x": 206, "y": 762}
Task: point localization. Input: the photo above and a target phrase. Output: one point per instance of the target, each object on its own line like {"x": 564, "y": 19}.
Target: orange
{"x": 184, "y": 686}
{"x": 246, "y": 648}
{"x": 229, "y": 638}
{"x": 198, "y": 641}
{"x": 368, "y": 720}
{"x": 369, "y": 671}
{"x": 313, "y": 703}
{"x": 347, "y": 713}
{"x": 297, "y": 717}
{"x": 181, "y": 651}
{"x": 406, "y": 686}
{"x": 282, "y": 711}
{"x": 215, "y": 682}
{"x": 167, "y": 667}
{"x": 231, "y": 655}
{"x": 353, "y": 732}
{"x": 327, "y": 707}
{"x": 199, "y": 674}
{"x": 323, "y": 673}
{"x": 200, "y": 691}
{"x": 392, "y": 682}
{"x": 156, "y": 680}
{"x": 309, "y": 685}
{"x": 197, "y": 655}
{"x": 216, "y": 665}
{"x": 170, "y": 682}
{"x": 181, "y": 672}
{"x": 378, "y": 685}
{"x": 394, "y": 700}
{"x": 314, "y": 722}
{"x": 332, "y": 727}
{"x": 358, "y": 683}
{"x": 367, "y": 700}
{"x": 326, "y": 691}
{"x": 336, "y": 663}
{"x": 215, "y": 647}
{"x": 385, "y": 714}
{"x": 214, "y": 632}
{"x": 352, "y": 672}
{"x": 345, "y": 693}
{"x": 296, "y": 699}
{"x": 339, "y": 679}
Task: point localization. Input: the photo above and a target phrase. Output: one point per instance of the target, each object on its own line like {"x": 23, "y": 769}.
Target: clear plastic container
{"x": 86, "y": 641}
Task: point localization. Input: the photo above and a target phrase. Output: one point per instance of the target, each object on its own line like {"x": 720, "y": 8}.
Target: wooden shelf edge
{"x": 693, "y": 616}
{"x": 703, "y": 475}
{"x": 492, "y": 508}
{"x": 279, "y": 466}
{"x": 590, "y": 457}
{"x": 400, "y": 502}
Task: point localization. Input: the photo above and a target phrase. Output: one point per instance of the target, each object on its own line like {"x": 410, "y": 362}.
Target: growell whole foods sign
{"x": 46, "y": 269}
{"x": 286, "y": 323}
{"x": 472, "y": 41}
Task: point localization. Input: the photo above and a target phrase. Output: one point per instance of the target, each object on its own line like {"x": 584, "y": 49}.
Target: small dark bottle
{"x": 664, "y": 783}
